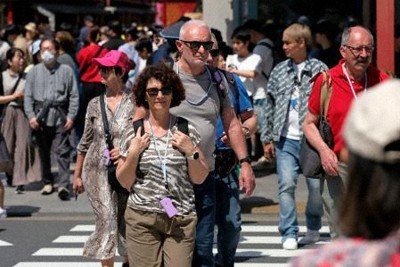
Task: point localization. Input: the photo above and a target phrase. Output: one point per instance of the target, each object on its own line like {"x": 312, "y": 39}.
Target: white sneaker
{"x": 290, "y": 244}
{"x": 310, "y": 237}
{"x": 3, "y": 213}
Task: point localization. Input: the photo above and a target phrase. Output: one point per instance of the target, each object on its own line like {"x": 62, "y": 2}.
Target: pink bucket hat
{"x": 114, "y": 58}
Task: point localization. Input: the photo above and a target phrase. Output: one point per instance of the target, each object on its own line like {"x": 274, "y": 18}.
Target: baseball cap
{"x": 114, "y": 58}
{"x": 372, "y": 128}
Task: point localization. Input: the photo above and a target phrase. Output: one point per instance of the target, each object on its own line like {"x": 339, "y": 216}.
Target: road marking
{"x": 245, "y": 228}
{"x": 5, "y": 244}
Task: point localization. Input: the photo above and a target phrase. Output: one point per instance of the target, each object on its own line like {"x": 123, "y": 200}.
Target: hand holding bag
{"x": 111, "y": 168}
{"x": 310, "y": 161}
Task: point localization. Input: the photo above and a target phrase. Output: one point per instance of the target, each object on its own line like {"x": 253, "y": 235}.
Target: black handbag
{"x": 225, "y": 162}
{"x": 309, "y": 159}
{"x": 111, "y": 168}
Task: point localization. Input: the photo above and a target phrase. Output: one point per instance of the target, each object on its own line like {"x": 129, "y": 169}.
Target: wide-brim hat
{"x": 372, "y": 127}
{"x": 114, "y": 58}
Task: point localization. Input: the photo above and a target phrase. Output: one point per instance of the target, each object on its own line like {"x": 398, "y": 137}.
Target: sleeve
{"x": 28, "y": 95}
{"x": 245, "y": 103}
{"x": 73, "y": 96}
{"x": 272, "y": 88}
{"x": 127, "y": 135}
{"x": 88, "y": 134}
{"x": 194, "y": 135}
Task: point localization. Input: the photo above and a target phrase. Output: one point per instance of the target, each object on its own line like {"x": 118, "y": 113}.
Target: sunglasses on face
{"x": 214, "y": 52}
{"x": 195, "y": 45}
{"x": 153, "y": 92}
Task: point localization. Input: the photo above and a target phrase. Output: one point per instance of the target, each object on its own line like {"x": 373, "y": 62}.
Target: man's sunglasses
{"x": 195, "y": 45}
{"x": 214, "y": 52}
{"x": 154, "y": 91}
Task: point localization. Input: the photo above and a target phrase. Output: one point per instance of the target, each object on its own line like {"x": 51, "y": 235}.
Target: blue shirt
{"x": 241, "y": 104}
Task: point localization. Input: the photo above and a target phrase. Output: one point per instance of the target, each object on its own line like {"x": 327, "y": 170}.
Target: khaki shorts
{"x": 153, "y": 239}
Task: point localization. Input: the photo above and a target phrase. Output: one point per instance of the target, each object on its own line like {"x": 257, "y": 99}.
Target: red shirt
{"x": 341, "y": 98}
{"x": 84, "y": 57}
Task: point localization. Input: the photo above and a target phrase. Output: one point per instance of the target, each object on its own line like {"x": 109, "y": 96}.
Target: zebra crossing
{"x": 260, "y": 246}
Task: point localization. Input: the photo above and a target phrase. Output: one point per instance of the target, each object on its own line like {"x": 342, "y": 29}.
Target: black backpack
{"x": 276, "y": 55}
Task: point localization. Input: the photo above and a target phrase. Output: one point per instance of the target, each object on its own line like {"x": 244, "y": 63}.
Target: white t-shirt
{"x": 292, "y": 127}
{"x": 252, "y": 62}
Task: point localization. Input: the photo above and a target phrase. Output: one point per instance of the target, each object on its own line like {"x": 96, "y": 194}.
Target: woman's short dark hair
{"x": 166, "y": 76}
{"x": 370, "y": 206}
{"x": 12, "y": 51}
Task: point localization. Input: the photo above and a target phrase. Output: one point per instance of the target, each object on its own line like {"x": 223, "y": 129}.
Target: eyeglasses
{"x": 195, "y": 45}
{"x": 154, "y": 91}
{"x": 214, "y": 52}
{"x": 356, "y": 51}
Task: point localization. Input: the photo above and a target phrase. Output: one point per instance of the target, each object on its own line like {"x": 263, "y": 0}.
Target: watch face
{"x": 196, "y": 155}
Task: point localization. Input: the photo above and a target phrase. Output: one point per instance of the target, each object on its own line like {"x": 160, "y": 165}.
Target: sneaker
{"x": 47, "y": 189}
{"x": 290, "y": 243}
{"x": 3, "y": 213}
{"x": 20, "y": 189}
{"x": 63, "y": 193}
{"x": 310, "y": 237}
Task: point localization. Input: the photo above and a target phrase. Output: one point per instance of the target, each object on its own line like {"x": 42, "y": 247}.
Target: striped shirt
{"x": 149, "y": 188}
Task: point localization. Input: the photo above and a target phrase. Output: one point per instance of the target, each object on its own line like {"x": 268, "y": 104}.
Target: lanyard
{"x": 351, "y": 85}
{"x": 162, "y": 160}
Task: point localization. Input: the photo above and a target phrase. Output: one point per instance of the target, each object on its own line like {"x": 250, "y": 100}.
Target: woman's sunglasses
{"x": 154, "y": 91}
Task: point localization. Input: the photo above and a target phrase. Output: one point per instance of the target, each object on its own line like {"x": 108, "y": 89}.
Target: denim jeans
{"x": 288, "y": 170}
{"x": 205, "y": 208}
{"x": 228, "y": 218}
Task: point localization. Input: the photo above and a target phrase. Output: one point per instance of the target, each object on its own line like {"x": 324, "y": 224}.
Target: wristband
{"x": 245, "y": 159}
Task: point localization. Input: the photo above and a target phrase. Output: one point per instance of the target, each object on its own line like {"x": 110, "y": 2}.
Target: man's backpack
{"x": 276, "y": 55}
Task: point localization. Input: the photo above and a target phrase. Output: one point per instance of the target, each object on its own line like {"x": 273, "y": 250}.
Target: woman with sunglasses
{"x": 91, "y": 165}
{"x": 159, "y": 165}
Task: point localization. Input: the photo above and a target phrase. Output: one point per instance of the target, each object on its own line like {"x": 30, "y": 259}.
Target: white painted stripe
{"x": 83, "y": 228}
{"x": 253, "y": 253}
{"x": 274, "y": 229}
{"x": 4, "y": 243}
{"x": 268, "y": 240}
{"x": 245, "y": 228}
{"x": 62, "y": 264}
{"x": 118, "y": 264}
{"x": 256, "y": 253}
{"x": 60, "y": 252}
{"x": 71, "y": 239}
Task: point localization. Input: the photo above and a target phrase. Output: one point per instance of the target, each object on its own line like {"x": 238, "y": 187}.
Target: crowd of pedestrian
{"x": 207, "y": 113}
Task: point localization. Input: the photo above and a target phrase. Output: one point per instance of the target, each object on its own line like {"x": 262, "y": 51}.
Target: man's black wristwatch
{"x": 245, "y": 159}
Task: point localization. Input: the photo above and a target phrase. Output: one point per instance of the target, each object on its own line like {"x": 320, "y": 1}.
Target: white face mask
{"x": 48, "y": 57}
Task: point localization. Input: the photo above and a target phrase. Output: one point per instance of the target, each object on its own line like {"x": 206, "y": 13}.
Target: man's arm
{"x": 329, "y": 159}
{"x": 234, "y": 129}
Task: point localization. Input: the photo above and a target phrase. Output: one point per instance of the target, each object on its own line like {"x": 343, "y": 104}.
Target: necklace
{"x": 164, "y": 159}
{"x": 203, "y": 98}
{"x": 351, "y": 85}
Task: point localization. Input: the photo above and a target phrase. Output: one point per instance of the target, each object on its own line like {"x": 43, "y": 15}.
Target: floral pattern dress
{"x": 107, "y": 204}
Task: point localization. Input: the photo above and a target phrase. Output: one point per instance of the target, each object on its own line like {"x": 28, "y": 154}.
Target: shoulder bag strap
{"x": 326, "y": 91}
{"x": 105, "y": 123}
{"x": 16, "y": 84}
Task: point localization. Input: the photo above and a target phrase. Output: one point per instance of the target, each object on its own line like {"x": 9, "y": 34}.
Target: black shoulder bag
{"x": 111, "y": 168}
{"x": 310, "y": 161}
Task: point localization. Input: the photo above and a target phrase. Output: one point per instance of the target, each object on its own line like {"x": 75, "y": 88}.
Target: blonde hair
{"x": 300, "y": 31}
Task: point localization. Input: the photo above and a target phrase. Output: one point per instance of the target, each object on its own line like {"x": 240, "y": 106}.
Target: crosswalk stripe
{"x": 245, "y": 228}
{"x": 243, "y": 240}
{"x": 240, "y": 252}
{"x": 119, "y": 264}
{"x": 5, "y": 244}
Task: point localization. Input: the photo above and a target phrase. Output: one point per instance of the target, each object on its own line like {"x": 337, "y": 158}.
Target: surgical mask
{"x": 48, "y": 57}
